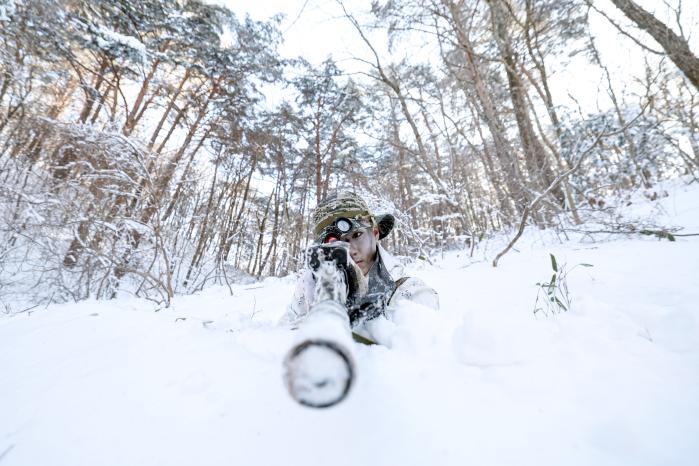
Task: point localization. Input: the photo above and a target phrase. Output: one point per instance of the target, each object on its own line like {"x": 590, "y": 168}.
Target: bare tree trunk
{"x": 274, "y": 234}
{"x": 204, "y": 230}
{"x": 5, "y": 85}
{"x": 90, "y": 97}
{"x": 239, "y": 216}
{"x": 535, "y": 155}
{"x": 405, "y": 193}
{"x": 77, "y": 245}
{"x": 506, "y": 155}
{"x": 168, "y": 109}
{"x": 318, "y": 158}
{"x": 131, "y": 121}
{"x": 180, "y": 184}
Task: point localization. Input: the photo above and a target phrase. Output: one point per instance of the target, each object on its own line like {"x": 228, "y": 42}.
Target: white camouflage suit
{"x": 408, "y": 289}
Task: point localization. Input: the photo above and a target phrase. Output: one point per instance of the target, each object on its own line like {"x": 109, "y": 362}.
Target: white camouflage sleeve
{"x": 298, "y": 308}
{"x": 415, "y": 290}
{"x": 382, "y": 329}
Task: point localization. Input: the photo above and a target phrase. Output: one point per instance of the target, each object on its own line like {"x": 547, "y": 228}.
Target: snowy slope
{"x": 484, "y": 381}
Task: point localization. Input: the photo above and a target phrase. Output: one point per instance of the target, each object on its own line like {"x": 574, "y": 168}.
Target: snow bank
{"x": 484, "y": 381}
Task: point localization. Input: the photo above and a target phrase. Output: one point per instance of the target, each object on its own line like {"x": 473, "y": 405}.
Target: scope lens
{"x": 343, "y": 225}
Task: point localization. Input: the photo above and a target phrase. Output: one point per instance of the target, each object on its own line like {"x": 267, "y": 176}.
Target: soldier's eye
{"x": 357, "y": 234}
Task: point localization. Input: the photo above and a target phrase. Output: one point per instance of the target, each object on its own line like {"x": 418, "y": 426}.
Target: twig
{"x": 7, "y": 450}
{"x": 628, "y": 232}
{"x": 28, "y": 309}
{"x": 621, "y": 30}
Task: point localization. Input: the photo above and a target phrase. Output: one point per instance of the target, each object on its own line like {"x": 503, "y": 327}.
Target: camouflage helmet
{"x": 348, "y": 204}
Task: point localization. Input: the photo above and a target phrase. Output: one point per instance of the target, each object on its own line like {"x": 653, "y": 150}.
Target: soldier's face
{"x": 363, "y": 247}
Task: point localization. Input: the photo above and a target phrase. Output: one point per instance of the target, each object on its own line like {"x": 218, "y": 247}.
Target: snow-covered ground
{"x": 483, "y": 382}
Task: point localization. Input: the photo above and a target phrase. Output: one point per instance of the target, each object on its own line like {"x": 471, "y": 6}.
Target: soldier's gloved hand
{"x": 361, "y": 283}
{"x": 309, "y": 285}
{"x": 342, "y": 272}
{"x": 367, "y": 308}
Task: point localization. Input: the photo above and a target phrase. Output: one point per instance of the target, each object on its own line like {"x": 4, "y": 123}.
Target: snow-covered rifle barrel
{"x": 319, "y": 368}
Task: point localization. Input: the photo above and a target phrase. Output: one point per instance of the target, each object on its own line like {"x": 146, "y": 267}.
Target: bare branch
{"x": 623, "y": 32}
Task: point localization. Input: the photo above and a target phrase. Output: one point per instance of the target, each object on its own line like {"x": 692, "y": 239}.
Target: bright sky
{"x": 315, "y": 29}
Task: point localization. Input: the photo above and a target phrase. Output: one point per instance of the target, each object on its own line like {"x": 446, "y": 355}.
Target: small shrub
{"x": 553, "y": 296}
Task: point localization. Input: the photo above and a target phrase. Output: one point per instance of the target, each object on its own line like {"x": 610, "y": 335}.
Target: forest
{"x": 157, "y": 147}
